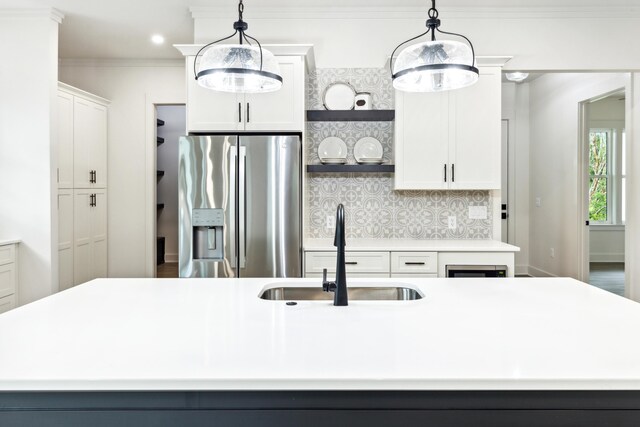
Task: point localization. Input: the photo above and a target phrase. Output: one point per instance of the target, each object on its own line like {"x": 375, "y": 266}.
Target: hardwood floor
{"x": 167, "y": 270}
{"x": 608, "y": 276}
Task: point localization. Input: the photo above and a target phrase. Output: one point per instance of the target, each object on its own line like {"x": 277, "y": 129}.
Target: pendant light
{"x": 240, "y": 68}
{"x": 435, "y": 65}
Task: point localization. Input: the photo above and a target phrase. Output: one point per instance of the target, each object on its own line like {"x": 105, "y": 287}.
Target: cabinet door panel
{"x": 282, "y": 110}
{"x": 7, "y": 280}
{"x": 65, "y": 239}
{"x": 209, "y": 110}
{"x": 99, "y": 236}
{"x": 65, "y": 140}
{"x": 475, "y": 140}
{"x": 7, "y": 303}
{"x": 81, "y": 236}
{"x": 89, "y": 143}
{"x": 421, "y": 150}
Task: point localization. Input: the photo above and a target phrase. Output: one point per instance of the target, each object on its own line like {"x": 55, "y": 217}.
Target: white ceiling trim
{"x": 110, "y": 62}
{"x": 351, "y": 13}
{"x": 44, "y": 12}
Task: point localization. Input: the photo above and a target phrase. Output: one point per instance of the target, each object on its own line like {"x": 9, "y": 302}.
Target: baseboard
{"x": 170, "y": 257}
{"x": 537, "y": 272}
{"x": 606, "y": 257}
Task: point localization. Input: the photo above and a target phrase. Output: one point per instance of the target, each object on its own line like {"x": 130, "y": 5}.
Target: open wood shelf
{"x": 159, "y": 122}
{"x": 160, "y": 140}
{"x": 351, "y": 168}
{"x": 160, "y": 205}
{"x": 160, "y": 173}
{"x": 350, "y": 115}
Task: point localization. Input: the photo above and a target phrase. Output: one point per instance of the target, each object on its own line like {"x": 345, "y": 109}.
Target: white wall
{"x": 28, "y": 134}
{"x": 175, "y": 123}
{"x": 554, "y": 122}
{"x": 539, "y": 39}
{"x": 131, "y": 86}
{"x": 515, "y": 109}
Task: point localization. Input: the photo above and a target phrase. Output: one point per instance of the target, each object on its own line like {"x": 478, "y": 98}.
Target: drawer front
{"x": 7, "y": 280}
{"x": 7, "y": 303}
{"x": 331, "y": 276}
{"x": 414, "y": 262}
{"x": 414, "y": 275}
{"x": 7, "y": 254}
{"x": 364, "y": 262}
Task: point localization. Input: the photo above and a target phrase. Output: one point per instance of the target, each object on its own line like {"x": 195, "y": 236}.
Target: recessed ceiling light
{"x": 517, "y": 77}
{"x": 157, "y": 39}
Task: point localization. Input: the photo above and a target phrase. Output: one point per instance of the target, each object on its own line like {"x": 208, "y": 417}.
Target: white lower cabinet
{"x": 8, "y": 277}
{"x": 82, "y": 237}
{"x": 89, "y": 235}
{"x": 358, "y": 264}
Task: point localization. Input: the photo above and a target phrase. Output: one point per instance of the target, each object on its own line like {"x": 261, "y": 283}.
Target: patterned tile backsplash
{"x": 373, "y": 208}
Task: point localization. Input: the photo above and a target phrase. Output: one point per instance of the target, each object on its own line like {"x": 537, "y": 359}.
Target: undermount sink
{"x": 356, "y": 293}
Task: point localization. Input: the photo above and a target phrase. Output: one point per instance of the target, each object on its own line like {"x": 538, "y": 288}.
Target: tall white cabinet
{"x": 82, "y": 186}
{"x": 450, "y": 140}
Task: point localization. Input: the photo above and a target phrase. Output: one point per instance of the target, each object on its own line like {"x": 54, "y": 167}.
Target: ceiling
{"x": 122, "y": 28}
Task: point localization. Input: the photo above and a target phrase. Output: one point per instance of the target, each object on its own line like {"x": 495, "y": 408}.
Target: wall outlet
{"x": 552, "y": 252}
{"x": 477, "y": 212}
{"x": 331, "y": 222}
{"x": 452, "y": 222}
{"x": 538, "y": 202}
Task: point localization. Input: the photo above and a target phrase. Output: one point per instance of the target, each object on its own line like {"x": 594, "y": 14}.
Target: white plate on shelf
{"x": 339, "y": 96}
{"x": 339, "y": 161}
{"x": 368, "y": 148}
{"x": 371, "y": 161}
{"x": 332, "y": 148}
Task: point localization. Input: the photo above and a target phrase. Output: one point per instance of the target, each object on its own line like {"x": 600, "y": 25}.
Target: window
{"x": 607, "y": 178}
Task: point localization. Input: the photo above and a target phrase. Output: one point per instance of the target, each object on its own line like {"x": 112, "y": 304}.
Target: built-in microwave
{"x": 476, "y": 270}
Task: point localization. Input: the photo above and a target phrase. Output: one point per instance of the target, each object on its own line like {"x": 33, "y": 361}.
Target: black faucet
{"x": 339, "y": 287}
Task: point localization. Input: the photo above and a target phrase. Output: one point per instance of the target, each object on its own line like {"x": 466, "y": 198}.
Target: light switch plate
{"x": 477, "y": 212}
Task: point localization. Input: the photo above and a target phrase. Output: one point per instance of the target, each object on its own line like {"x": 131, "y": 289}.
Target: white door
{"x": 65, "y": 239}
{"x": 98, "y": 225}
{"x": 89, "y": 143}
{"x": 421, "y": 141}
{"x": 209, "y": 110}
{"x": 504, "y": 202}
{"x": 282, "y": 110}
{"x": 82, "y": 270}
{"x": 475, "y": 133}
{"x": 65, "y": 140}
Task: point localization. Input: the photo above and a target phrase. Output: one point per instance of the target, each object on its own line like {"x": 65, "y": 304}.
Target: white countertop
{"x": 207, "y": 334}
{"x": 4, "y": 242}
{"x": 467, "y": 245}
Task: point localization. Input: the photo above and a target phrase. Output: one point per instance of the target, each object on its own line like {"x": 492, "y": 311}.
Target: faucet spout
{"x": 340, "y": 296}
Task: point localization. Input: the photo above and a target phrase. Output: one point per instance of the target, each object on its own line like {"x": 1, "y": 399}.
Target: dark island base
{"x": 322, "y": 408}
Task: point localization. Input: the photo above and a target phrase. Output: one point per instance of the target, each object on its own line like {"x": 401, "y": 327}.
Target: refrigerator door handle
{"x": 242, "y": 196}
{"x": 233, "y": 158}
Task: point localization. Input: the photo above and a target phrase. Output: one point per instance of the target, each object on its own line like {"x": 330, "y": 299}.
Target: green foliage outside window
{"x": 598, "y": 176}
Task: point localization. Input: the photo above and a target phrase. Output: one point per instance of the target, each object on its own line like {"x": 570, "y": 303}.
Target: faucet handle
{"x": 324, "y": 275}
{"x": 327, "y": 286}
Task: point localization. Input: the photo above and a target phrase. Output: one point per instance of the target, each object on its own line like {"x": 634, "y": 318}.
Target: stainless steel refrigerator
{"x": 240, "y": 206}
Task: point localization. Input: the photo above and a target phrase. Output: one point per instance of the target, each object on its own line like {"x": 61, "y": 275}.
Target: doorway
{"x": 170, "y": 126}
{"x": 604, "y": 178}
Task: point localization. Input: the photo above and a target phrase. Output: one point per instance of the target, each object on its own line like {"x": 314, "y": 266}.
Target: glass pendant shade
{"x": 236, "y": 68}
{"x": 434, "y": 66}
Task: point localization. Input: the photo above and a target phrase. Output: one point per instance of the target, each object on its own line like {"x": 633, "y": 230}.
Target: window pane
{"x": 597, "y": 153}
{"x": 624, "y": 153}
{"x": 598, "y": 199}
{"x": 623, "y": 196}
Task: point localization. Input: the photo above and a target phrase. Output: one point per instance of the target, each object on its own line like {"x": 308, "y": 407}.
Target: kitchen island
{"x": 527, "y": 351}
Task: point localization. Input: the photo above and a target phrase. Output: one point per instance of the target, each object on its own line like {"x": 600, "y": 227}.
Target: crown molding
{"x": 75, "y": 91}
{"x": 353, "y": 13}
{"x": 42, "y": 12}
{"x": 114, "y": 62}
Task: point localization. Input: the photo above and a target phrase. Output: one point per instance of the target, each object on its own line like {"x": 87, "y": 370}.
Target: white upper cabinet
{"x": 82, "y": 139}
{"x": 283, "y": 110}
{"x": 450, "y": 140}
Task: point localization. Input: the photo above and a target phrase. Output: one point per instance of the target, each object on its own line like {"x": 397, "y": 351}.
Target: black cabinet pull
{"x": 351, "y": 262}
{"x": 92, "y": 200}
{"x": 445, "y": 172}
{"x": 248, "y": 120}
{"x": 414, "y": 263}
{"x": 453, "y": 173}
{"x": 239, "y": 112}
